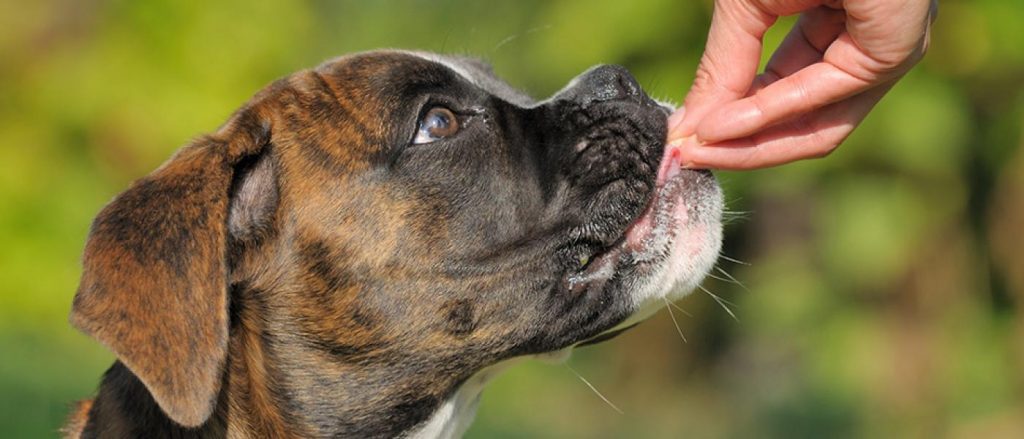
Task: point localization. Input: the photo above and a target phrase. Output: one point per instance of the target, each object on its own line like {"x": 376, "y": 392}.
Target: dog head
{"x": 388, "y": 224}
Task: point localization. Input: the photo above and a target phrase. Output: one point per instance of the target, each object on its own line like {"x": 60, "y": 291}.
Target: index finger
{"x": 729, "y": 63}
{"x": 811, "y": 88}
{"x": 731, "y": 56}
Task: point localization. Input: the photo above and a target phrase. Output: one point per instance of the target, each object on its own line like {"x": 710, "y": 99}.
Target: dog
{"x": 362, "y": 245}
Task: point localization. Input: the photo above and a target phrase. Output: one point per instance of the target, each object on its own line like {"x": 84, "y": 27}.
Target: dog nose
{"x": 604, "y": 83}
{"x": 610, "y": 82}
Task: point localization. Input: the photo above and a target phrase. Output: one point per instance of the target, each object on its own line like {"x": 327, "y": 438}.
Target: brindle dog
{"x": 358, "y": 242}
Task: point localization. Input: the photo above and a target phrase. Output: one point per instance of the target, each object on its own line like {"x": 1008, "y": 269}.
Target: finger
{"x": 731, "y": 56}
{"x": 804, "y": 45}
{"x": 813, "y": 87}
{"x": 729, "y": 62}
{"x": 813, "y": 136}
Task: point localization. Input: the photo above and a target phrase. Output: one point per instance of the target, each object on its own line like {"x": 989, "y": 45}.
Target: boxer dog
{"x": 355, "y": 250}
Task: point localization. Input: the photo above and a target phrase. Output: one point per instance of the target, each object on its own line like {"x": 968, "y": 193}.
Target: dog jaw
{"x": 669, "y": 249}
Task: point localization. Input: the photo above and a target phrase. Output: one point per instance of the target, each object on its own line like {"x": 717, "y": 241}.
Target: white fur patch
{"x": 452, "y": 419}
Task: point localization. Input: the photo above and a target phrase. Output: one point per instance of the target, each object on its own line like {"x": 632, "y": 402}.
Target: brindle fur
{"x": 304, "y": 272}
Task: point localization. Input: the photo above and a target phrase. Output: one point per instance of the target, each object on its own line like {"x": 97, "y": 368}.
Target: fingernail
{"x": 683, "y": 153}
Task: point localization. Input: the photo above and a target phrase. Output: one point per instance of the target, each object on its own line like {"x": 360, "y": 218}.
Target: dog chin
{"x": 682, "y": 244}
{"x": 673, "y": 245}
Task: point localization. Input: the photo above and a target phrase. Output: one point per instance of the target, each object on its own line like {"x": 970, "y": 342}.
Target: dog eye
{"x": 437, "y": 124}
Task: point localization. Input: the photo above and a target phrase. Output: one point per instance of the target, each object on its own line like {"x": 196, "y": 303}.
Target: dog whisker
{"x": 732, "y": 220}
{"x": 735, "y": 212}
{"x": 513, "y": 37}
{"x": 734, "y": 260}
{"x": 674, "y": 321}
{"x": 723, "y": 302}
{"x": 718, "y": 277}
{"x": 732, "y": 216}
{"x": 680, "y": 309}
{"x": 444, "y": 42}
{"x": 730, "y": 278}
{"x": 594, "y": 389}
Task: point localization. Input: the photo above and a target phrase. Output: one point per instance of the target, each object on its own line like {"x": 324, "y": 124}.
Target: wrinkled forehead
{"x": 480, "y": 74}
{"x": 397, "y": 69}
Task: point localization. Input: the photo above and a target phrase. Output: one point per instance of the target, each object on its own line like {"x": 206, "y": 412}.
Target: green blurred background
{"x": 884, "y": 284}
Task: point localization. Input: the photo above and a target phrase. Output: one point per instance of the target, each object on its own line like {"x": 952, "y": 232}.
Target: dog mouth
{"x": 675, "y": 203}
{"x": 666, "y": 250}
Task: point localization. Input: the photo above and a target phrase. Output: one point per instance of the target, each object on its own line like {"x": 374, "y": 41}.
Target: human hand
{"x": 836, "y": 63}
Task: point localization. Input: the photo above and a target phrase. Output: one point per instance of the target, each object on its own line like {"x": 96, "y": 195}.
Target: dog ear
{"x": 155, "y": 268}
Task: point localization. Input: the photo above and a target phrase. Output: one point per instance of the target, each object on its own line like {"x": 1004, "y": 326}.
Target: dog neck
{"x": 455, "y": 415}
{"x": 273, "y": 387}
{"x": 278, "y": 385}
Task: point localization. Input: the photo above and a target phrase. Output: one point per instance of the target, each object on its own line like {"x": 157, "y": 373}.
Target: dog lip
{"x": 670, "y": 186}
{"x": 600, "y": 269}
{"x": 666, "y": 209}
{"x": 605, "y": 261}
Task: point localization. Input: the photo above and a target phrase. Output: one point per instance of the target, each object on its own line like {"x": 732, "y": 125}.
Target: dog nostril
{"x": 628, "y": 86}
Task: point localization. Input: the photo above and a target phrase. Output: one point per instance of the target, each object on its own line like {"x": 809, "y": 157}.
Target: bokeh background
{"x": 884, "y": 285}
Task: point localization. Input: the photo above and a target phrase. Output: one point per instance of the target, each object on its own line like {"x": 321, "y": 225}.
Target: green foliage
{"x": 885, "y": 282}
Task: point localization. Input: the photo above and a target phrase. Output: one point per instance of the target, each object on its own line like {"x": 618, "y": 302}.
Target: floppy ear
{"x": 154, "y": 280}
